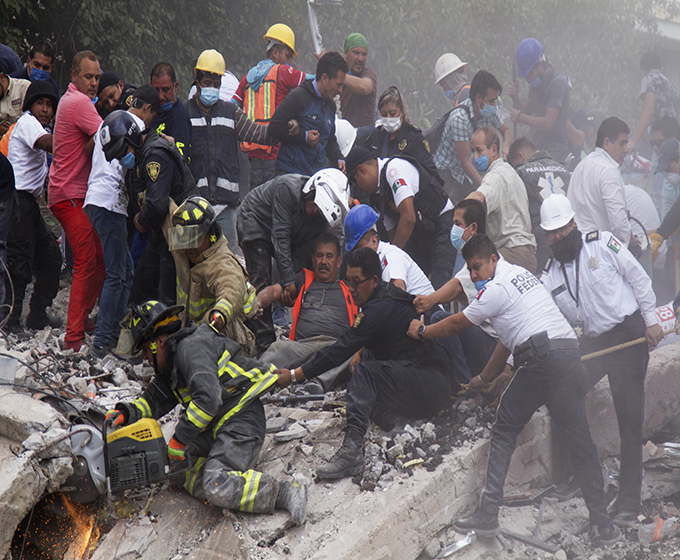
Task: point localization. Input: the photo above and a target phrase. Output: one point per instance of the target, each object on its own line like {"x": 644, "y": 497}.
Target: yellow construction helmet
{"x": 283, "y": 34}
{"x": 211, "y": 61}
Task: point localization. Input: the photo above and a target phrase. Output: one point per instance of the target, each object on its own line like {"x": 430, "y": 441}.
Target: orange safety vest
{"x": 309, "y": 278}
{"x": 4, "y": 141}
{"x": 260, "y": 106}
{"x": 465, "y": 87}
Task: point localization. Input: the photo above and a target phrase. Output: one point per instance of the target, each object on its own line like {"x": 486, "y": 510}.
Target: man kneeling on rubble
{"x": 223, "y": 424}
{"x": 407, "y": 378}
{"x": 211, "y": 282}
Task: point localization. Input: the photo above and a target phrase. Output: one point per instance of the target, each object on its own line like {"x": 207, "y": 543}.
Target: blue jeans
{"x": 227, "y": 221}
{"x": 112, "y": 231}
{"x": 471, "y": 349}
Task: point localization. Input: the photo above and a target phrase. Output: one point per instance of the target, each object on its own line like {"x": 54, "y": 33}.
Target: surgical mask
{"x": 536, "y": 83}
{"x": 128, "y": 160}
{"x": 487, "y": 111}
{"x": 449, "y": 94}
{"x": 165, "y": 107}
{"x": 391, "y": 124}
{"x": 457, "y": 237}
{"x": 567, "y": 249}
{"x": 209, "y": 96}
{"x": 673, "y": 178}
{"x": 479, "y": 284}
{"x": 37, "y": 74}
{"x": 94, "y": 101}
{"x": 481, "y": 163}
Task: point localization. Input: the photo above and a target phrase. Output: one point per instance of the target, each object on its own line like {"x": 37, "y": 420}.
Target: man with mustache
{"x": 322, "y": 312}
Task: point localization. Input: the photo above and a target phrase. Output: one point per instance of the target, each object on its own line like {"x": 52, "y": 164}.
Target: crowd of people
{"x": 498, "y": 246}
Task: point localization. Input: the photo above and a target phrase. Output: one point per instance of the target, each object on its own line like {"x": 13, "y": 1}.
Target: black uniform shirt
{"x": 381, "y": 326}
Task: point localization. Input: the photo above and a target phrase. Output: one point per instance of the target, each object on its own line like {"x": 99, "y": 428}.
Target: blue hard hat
{"x": 528, "y": 54}
{"x": 358, "y": 221}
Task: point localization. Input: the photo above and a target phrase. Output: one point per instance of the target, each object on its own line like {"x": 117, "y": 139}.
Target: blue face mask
{"x": 536, "y": 83}
{"x": 128, "y": 160}
{"x": 94, "y": 101}
{"x": 37, "y": 74}
{"x": 209, "y": 96}
{"x": 481, "y": 163}
{"x": 479, "y": 285}
{"x": 487, "y": 111}
{"x": 449, "y": 94}
{"x": 457, "y": 237}
{"x": 165, "y": 107}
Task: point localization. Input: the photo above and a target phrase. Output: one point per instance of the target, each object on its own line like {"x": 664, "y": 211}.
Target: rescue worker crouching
{"x": 223, "y": 424}
{"x": 211, "y": 283}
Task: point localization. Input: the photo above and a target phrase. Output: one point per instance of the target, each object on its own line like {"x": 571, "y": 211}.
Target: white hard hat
{"x": 331, "y": 194}
{"x": 556, "y": 212}
{"x": 346, "y": 134}
{"x": 446, "y": 64}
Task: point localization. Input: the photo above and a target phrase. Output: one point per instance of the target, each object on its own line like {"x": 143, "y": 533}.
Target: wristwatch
{"x": 421, "y": 331}
{"x": 293, "y": 379}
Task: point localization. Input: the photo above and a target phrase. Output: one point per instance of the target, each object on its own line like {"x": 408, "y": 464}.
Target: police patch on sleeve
{"x": 592, "y": 236}
{"x": 358, "y": 320}
{"x": 402, "y": 145}
{"x": 153, "y": 168}
{"x": 614, "y": 244}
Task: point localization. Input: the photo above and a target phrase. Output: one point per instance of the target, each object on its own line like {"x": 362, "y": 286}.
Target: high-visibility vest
{"x": 260, "y": 106}
{"x": 309, "y": 278}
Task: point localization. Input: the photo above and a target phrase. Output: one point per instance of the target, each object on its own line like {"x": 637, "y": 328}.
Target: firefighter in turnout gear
{"x": 223, "y": 424}
{"x": 212, "y": 285}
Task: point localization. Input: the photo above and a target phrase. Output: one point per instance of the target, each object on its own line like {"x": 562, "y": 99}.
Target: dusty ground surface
{"x": 396, "y": 504}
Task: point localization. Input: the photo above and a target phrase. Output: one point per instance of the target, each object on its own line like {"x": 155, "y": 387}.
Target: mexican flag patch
{"x": 614, "y": 244}
{"x": 398, "y": 183}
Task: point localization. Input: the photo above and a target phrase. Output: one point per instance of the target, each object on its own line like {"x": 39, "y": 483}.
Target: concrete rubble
{"x": 417, "y": 481}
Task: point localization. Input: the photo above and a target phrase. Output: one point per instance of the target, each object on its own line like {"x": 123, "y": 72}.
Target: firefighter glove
{"x": 176, "y": 450}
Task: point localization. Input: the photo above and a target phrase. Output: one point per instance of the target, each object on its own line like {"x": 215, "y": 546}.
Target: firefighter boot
{"x": 347, "y": 461}
{"x": 292, "y": 496}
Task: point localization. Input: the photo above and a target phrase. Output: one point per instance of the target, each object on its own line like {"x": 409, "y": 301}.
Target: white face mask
{"x": 673, "y": 178}
{"x": 391, "y": 124}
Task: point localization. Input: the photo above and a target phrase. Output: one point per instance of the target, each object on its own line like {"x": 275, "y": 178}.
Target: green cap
{"x": 355, "y": 40}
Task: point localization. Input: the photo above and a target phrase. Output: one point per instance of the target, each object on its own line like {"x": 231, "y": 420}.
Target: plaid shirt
{"x": 460, "y": 128}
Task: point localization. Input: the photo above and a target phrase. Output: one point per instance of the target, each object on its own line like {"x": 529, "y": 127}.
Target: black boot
{"x": 347, "y": 461}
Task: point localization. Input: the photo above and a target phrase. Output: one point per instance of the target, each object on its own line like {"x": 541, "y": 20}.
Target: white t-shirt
{"x": 398, "y": 265}
{"x": 106, "y": 184}
{"x": 463, "y": 276}
{"x": 518, "y": 307}
{"x": 404, "y": 181}
{"x": 29, "y": 163}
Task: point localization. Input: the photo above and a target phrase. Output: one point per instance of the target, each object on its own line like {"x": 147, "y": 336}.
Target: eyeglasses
{"x": 353, "y": 284}
{"x": 314, "y": 304}
{"x": 558, "y": 233}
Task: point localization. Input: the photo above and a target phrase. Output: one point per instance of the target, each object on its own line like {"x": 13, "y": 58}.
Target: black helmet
{"x": 191, "y": 223}
{"x": 151, "y": 319}
{"x": 118, "y": 129}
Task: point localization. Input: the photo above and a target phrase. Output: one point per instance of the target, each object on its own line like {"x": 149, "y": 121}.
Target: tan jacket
{"x": 217, "y": 282}
{"x": 13, "y": 100}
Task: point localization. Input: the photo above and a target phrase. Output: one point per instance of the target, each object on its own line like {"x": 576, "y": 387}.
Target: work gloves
{"x": 176, "y": 450}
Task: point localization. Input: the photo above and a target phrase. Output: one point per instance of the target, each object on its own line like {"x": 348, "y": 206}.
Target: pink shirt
{"x": 76, "y": 121}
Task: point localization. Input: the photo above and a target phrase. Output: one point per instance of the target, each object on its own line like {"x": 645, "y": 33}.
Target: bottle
{"x": 91, "y": 390}
{"x": 658, "y": 530}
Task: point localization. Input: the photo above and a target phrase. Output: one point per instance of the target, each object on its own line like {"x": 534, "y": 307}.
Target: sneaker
{"x": 347, "y": 461}
{"x": 625, "y": 518}
{"x": 313, "y": 387}
{"x": 478, "y": 523}
{"x": 99, "y": 352}
{"x": 39, "y": 321}
{"x": 73, "y": 345}
{"x": 605, "y": 535}
{"x": 279, "y": 317}
{"x": 292, "y": 496}
{"x": 567, "y": 489}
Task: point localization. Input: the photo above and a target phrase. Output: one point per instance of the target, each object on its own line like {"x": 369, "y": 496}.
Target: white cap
{"x": 556, "y": 212}
{"x": 346, "y": 134}
{"x": 446, "y": 64}
{"x": 331, "y": 194}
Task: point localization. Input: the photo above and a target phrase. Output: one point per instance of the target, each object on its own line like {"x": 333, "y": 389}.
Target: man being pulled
{"x": 211, "y": 283}
{"x": 406, "y": 378}
{"x": 223, "y": 425}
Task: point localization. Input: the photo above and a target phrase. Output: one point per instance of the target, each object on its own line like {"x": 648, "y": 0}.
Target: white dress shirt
{"x": 597, "y": 196}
